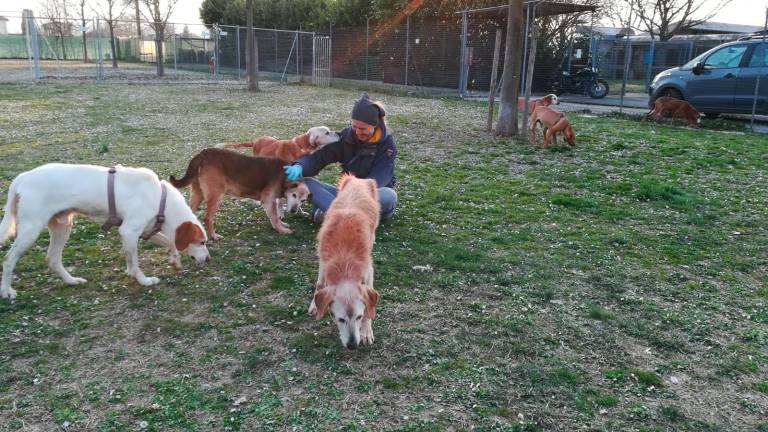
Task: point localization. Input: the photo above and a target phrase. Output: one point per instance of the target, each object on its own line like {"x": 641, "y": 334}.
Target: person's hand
{"x": 293, "y": 172}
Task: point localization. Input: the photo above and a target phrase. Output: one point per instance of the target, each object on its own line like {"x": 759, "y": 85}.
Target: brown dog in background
{"x": 214, "y": 173}
{"x": 550, "y": 99}
{"x": 676, "y": 108}
{"x": 288, "y": 150}
{"x": 345, "y": 270}
{"x": 552, "y": 122}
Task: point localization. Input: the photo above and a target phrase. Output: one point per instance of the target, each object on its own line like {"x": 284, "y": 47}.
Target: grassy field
{"x": 617, "y": 286}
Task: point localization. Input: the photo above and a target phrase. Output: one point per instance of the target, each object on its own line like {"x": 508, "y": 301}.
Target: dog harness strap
{"x": 160, "y": 218}
{"x": 112, "y": 218}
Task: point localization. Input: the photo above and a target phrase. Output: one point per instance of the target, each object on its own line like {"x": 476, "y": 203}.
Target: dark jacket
{"x": 363, "y": 160}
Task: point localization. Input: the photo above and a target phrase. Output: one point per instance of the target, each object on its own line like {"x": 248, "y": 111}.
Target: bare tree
{"x": 112, "y": 11}
{"x": 251, "y": 51}
{"x": 507, "y": 122}
{"x": 158, "y": 22}
{"x": 663, "y": 19}
{"x": 81, "y": 14}
{"x": 57, "y": 13}
{"x": 135, "y": 5}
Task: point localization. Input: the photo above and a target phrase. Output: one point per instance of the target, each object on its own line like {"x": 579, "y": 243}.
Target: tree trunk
{"x": 112, "y": 43}
{"x": 138, "y": 19}
{"x": 251, "y": 53}
{"x": 159, "y": 36}
{"x": 510, "y": 89}
{"x": 85, "y": 41}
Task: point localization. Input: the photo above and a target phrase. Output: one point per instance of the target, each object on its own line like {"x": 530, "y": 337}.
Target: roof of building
{"x": 717, "y": 27}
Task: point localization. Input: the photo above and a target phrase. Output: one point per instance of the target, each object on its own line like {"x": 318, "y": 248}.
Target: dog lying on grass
{"x": 53, "y": 194}
{"x": 553, "y": 122}
{"x": 675, "y": 108}
{"x": 345, "y": 271}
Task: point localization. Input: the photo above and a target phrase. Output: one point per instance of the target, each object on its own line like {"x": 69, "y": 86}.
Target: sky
{"x": 750, "y": 12}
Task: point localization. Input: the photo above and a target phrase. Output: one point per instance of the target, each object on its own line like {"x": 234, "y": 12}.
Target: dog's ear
{"x": 323, "y": 298}
{"x": 313, "y": 135}
{"x": 291, "y": 184}
{"x": 370, "y": 298}
{"x": 186, "y": 233}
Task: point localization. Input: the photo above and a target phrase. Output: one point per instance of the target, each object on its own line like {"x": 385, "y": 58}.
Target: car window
{"x": 728, "y": 57}
{"x": 759, "y": 58}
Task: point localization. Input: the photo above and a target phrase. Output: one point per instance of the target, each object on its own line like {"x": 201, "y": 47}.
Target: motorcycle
{"x": 584, "y": 81}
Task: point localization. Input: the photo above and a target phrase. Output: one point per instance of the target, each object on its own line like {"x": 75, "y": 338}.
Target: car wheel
{"x": 673, "y": 93}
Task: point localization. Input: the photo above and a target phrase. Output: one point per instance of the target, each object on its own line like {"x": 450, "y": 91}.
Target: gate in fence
{"x": 321, "y": 61}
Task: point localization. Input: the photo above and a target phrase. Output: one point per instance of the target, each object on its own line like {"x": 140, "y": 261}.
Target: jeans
{"x": 323, "y": 194}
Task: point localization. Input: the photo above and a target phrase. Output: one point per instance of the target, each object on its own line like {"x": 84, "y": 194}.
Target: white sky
{"x": 750, "y": 12}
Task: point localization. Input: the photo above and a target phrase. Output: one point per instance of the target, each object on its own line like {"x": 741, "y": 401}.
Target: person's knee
{"x": 388, "y": 202}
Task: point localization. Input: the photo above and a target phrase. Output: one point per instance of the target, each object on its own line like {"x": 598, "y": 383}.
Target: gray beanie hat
{"x": 366, "y": 111}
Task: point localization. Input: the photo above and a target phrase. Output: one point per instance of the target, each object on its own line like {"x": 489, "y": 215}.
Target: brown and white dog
{"x": 552, "y": 122}
{"x": 676, "y": 108}
{"x": 214, "y": 173}
{"x": 288, "y": 150}
{"x": 53, "y": 194}
{"x": 345, "y": 273}
{"x": 550, "y": 99}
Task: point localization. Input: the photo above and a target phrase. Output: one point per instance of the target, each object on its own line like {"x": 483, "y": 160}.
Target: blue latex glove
{"x": 293, "y": 172}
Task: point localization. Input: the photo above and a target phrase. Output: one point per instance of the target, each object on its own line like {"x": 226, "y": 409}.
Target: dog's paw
{"x": 149, "y": 281}
{"x": 9, "y": 294}
{"x": 312, "y": 311}
{"x": 75, "y": 281}
{"x": 284, "y": 230}
{"x": 216, "y": 237}
{"x": 366, "y": 334}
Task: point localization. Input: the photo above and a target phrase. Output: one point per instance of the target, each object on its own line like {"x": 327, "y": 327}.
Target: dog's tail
{"x": 8, "y": 224}
{"x": 248, "y": 144}
{"x": 192, "y": 170}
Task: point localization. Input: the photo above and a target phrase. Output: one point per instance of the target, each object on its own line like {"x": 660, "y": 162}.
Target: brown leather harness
{"x": 114, "y": 220}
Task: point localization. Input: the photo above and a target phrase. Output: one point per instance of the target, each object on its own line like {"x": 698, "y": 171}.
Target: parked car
{"x": 721, "y": 80}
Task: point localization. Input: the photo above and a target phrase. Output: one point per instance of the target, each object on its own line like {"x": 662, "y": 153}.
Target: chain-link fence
{"x": 102, "y": 49}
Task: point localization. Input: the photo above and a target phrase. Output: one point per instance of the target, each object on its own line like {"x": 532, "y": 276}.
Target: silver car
{"x": 721, "y": 80}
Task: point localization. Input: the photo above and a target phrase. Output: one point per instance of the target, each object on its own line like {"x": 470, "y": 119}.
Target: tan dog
{"x": 214, "y": 173}
{"x": 552, "y": 122}
{"x": 550, "y": 99}
{"x": 288, "y": 150}
{"x": 676, "y": 108}
{"x": 345, "y": 273}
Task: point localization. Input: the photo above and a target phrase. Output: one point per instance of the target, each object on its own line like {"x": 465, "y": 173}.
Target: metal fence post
{"x": 757, "y": 82}
{"x": 175, "y": 61}
{"x": 298, "y": 52}
{"x": 627, "y": 56}
{"x": 367, "y": 29}
{"x": 34, "y": 52}
{"x": 525, "y": 47}
{"x": 237, "y": 47}
{"x": 463, "y": 54}
{"x": 99, "y": 55}
{"x": 407, "y": 45}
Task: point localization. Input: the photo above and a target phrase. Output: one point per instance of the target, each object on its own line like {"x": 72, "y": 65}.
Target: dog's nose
{"x": 207, "y": 258}
{"x": 293, "y": 210}
{"x": 351, "y": 344}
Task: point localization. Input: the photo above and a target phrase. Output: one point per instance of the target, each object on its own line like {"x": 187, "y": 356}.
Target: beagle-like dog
{"x": 676, "y": 108}
{"x": 53, "y": 194}
{"x": 345, "y": 271}
{"x": 214, "y": 173}
{"x": 552, "y": 122}
{"x": 550, "y": 99}
{"x": 288, "y": 150}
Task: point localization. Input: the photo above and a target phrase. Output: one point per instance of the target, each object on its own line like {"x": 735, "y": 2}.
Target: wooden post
{"x": 529, "y": 73}
{"x": 492, "y": 89}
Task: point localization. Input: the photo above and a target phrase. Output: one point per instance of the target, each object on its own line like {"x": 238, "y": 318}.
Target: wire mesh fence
{"x": 449, "y": 53}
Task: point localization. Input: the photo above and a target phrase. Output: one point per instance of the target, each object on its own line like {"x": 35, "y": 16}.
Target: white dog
{"x": 52, "y": 194}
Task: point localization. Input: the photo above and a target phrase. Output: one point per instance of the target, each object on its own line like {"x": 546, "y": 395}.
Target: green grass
{"x": 618, "y": 285}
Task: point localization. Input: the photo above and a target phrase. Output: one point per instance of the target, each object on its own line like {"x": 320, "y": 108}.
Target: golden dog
{"x": 345, "y": 273}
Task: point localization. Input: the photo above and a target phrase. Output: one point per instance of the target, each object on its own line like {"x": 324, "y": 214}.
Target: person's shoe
{"x": 318, "y": 216}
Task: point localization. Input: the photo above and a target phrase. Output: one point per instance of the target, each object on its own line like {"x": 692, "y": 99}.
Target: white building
{"x": 3, "y": 25}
